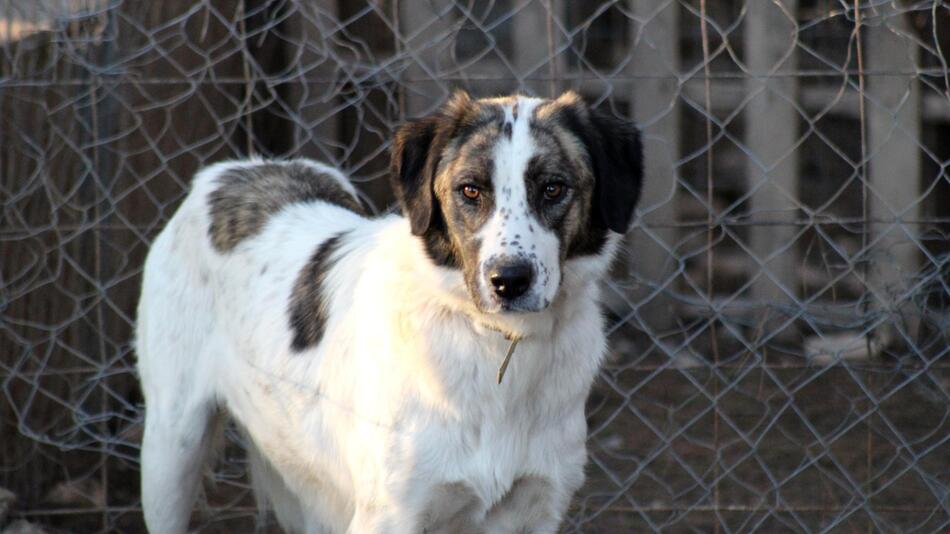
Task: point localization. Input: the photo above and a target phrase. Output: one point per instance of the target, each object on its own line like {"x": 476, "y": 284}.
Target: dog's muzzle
{"x": 510, "y": 279}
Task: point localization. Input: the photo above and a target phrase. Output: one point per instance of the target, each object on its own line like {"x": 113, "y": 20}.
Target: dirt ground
{"x": 763, "y": 443}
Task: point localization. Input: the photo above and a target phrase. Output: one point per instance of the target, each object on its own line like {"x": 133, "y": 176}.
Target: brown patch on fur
{"x": 561, "y": 156}
{"x": 247, "y": 197}
{"x": 467, "y": 161}
{"x": 609, "y": 150}
{"x": 567, "y": 98}
{"x": 423, "y": 150}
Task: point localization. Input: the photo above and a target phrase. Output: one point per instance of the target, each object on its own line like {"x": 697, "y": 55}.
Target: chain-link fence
{"x": 780, "y": 325}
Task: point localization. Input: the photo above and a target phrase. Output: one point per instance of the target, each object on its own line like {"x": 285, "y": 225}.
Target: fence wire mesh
{"x": 779, "y": 324}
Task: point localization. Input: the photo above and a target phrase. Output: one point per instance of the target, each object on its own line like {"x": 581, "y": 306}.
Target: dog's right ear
{"x": 416, "y": 152}
{"x": 411, "y": 181}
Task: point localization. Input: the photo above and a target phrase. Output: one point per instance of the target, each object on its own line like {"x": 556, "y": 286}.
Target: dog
{"x": 364, "y": 357}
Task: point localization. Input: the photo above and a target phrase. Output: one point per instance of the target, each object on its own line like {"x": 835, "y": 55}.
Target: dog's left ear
{"x": 618, "y": 169}
{"x": 616, "y": 158}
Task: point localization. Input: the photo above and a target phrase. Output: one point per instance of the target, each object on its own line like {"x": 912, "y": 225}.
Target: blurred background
{"x": 779, "y": 320}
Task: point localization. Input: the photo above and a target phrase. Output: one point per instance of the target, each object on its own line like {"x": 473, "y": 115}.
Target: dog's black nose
{"x": 511, "y": 281}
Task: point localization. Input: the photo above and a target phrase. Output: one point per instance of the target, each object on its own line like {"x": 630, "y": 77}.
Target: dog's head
{"x": 509, "y": 189}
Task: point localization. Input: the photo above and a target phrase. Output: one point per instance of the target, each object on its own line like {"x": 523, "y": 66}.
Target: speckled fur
{"x": 246, "y": 197}
{"x": 510, "y": 148}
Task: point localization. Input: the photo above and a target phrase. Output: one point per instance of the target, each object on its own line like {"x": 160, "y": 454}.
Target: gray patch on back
{"x": 308, "y": 301}
{"x": 247, "y": 197}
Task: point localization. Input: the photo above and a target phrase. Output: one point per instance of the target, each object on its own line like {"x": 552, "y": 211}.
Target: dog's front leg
{"x": 534, "y": 505}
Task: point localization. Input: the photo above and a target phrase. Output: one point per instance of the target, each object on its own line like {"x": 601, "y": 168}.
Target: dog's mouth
{"x": 518, "y": 307}
{"x": 521, "y": 306}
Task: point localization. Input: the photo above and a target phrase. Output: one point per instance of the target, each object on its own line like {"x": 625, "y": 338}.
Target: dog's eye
{"x": 471, "y": 192}
{"x": 554, "y": 192}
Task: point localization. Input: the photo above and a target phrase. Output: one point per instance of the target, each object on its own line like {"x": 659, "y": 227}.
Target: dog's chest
{"x": 483, "y": 464}
{"x": 491, "y": 481}
{"x": 504, "y": 477}
{"x": 491, "y": 456}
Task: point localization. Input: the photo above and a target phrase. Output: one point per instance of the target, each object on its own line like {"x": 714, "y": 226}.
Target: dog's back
{"x": 204, "y": 268}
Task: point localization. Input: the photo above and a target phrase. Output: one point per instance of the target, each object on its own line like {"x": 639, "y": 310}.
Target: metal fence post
{"x": 422, "y": 27}
{"x": 654, "y": 68}
{"x": 894, "y": 126}
{"x": 314, "y": 105}
{"x": 771, "y": 137}
{"x": 534, "y": 45}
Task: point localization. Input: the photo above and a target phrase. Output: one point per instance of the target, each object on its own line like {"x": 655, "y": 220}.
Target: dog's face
{"x": 509, "y": 189}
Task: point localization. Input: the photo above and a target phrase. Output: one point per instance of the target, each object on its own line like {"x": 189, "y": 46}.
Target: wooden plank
{"x": 894, "y": 167}
{"x": 727, "y": 95}
{"x": 771, "y": 123}
{"x": 423, "y": 28}
{"x": 654, "y": 49}
{"x": 313, "y": 108}
{"x": 534, "y": 50}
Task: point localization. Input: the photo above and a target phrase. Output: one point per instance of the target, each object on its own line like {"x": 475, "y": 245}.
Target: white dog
{"x": 363, "y": 357}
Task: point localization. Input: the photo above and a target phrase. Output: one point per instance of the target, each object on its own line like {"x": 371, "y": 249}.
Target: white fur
{"x": 394, "y": 423}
